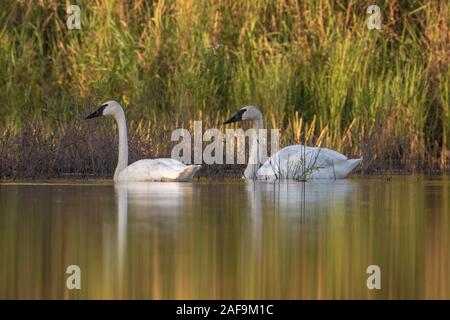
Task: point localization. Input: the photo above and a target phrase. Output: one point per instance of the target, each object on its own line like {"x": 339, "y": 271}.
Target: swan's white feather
{"x": 319, "y": 163}
{"x": 153, "y": 170}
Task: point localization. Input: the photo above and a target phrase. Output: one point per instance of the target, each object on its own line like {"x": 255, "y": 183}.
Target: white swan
{"x": 142, "y": 170}
{"x": 295, "y": 162}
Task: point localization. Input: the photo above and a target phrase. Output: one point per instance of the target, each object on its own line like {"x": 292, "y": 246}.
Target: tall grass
{"x": 313, "y": 67}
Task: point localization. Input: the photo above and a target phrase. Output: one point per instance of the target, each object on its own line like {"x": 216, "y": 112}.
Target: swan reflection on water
{"x": 298, "y": 198}
{"x": 292, "y": 201}
{"x": 164, "y": 206}
{"x": 165, "y": 203}
{"x": 154, "y": 202}
{"x": 156, "y": 198}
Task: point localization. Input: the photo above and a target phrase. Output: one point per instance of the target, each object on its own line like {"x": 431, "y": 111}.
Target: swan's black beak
{"x": 236, "y": 117}
{"x": 97, "y": 113}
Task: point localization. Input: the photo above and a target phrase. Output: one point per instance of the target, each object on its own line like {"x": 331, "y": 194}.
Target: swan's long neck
{"x": 122, "y": 162}
{"x": 254, "y": 161}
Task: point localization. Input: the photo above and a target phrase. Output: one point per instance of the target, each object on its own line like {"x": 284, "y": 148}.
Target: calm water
{"x": 227, "y": 240}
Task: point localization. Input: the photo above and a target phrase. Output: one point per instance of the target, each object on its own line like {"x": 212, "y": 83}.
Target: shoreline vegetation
{"x": 313, "y": 67}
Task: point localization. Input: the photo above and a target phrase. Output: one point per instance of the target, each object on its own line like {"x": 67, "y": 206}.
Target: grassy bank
{"x": 313, "y": 67}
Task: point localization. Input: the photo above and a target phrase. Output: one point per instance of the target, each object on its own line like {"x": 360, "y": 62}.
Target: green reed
{"x": 380, "y": 93}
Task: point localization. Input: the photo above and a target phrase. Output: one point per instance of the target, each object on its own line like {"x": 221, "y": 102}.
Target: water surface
{"x": 239, "y": 240}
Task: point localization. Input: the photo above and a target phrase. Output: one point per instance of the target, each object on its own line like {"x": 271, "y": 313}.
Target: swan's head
{"x": 108, "y": 108}
{"x": 246, "y": 113}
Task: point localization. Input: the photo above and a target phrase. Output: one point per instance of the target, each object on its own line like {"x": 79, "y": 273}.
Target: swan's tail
{"x": 188, "y": 173}
{"x": 343, "y": 168}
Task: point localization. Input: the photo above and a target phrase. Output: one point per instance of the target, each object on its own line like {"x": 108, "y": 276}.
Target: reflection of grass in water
{"x": 313, "y": 67}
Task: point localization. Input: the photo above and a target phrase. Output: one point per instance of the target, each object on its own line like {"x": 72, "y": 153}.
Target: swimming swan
{"x": 142, "y": 170}
{"x": 295, "y": 162}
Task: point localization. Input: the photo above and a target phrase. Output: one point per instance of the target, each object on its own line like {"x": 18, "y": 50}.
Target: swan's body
{"x": 295, "y": 162}
{"x": 164, "y": 169}
{"x": 142, "y": 170}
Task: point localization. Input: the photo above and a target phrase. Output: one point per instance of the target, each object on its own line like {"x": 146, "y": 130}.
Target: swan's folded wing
{"x": 290, "y": 162}
{"x": 322, "y": 157}
{"x": 309, "y": 156}
{"x": 152, "y": 170}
